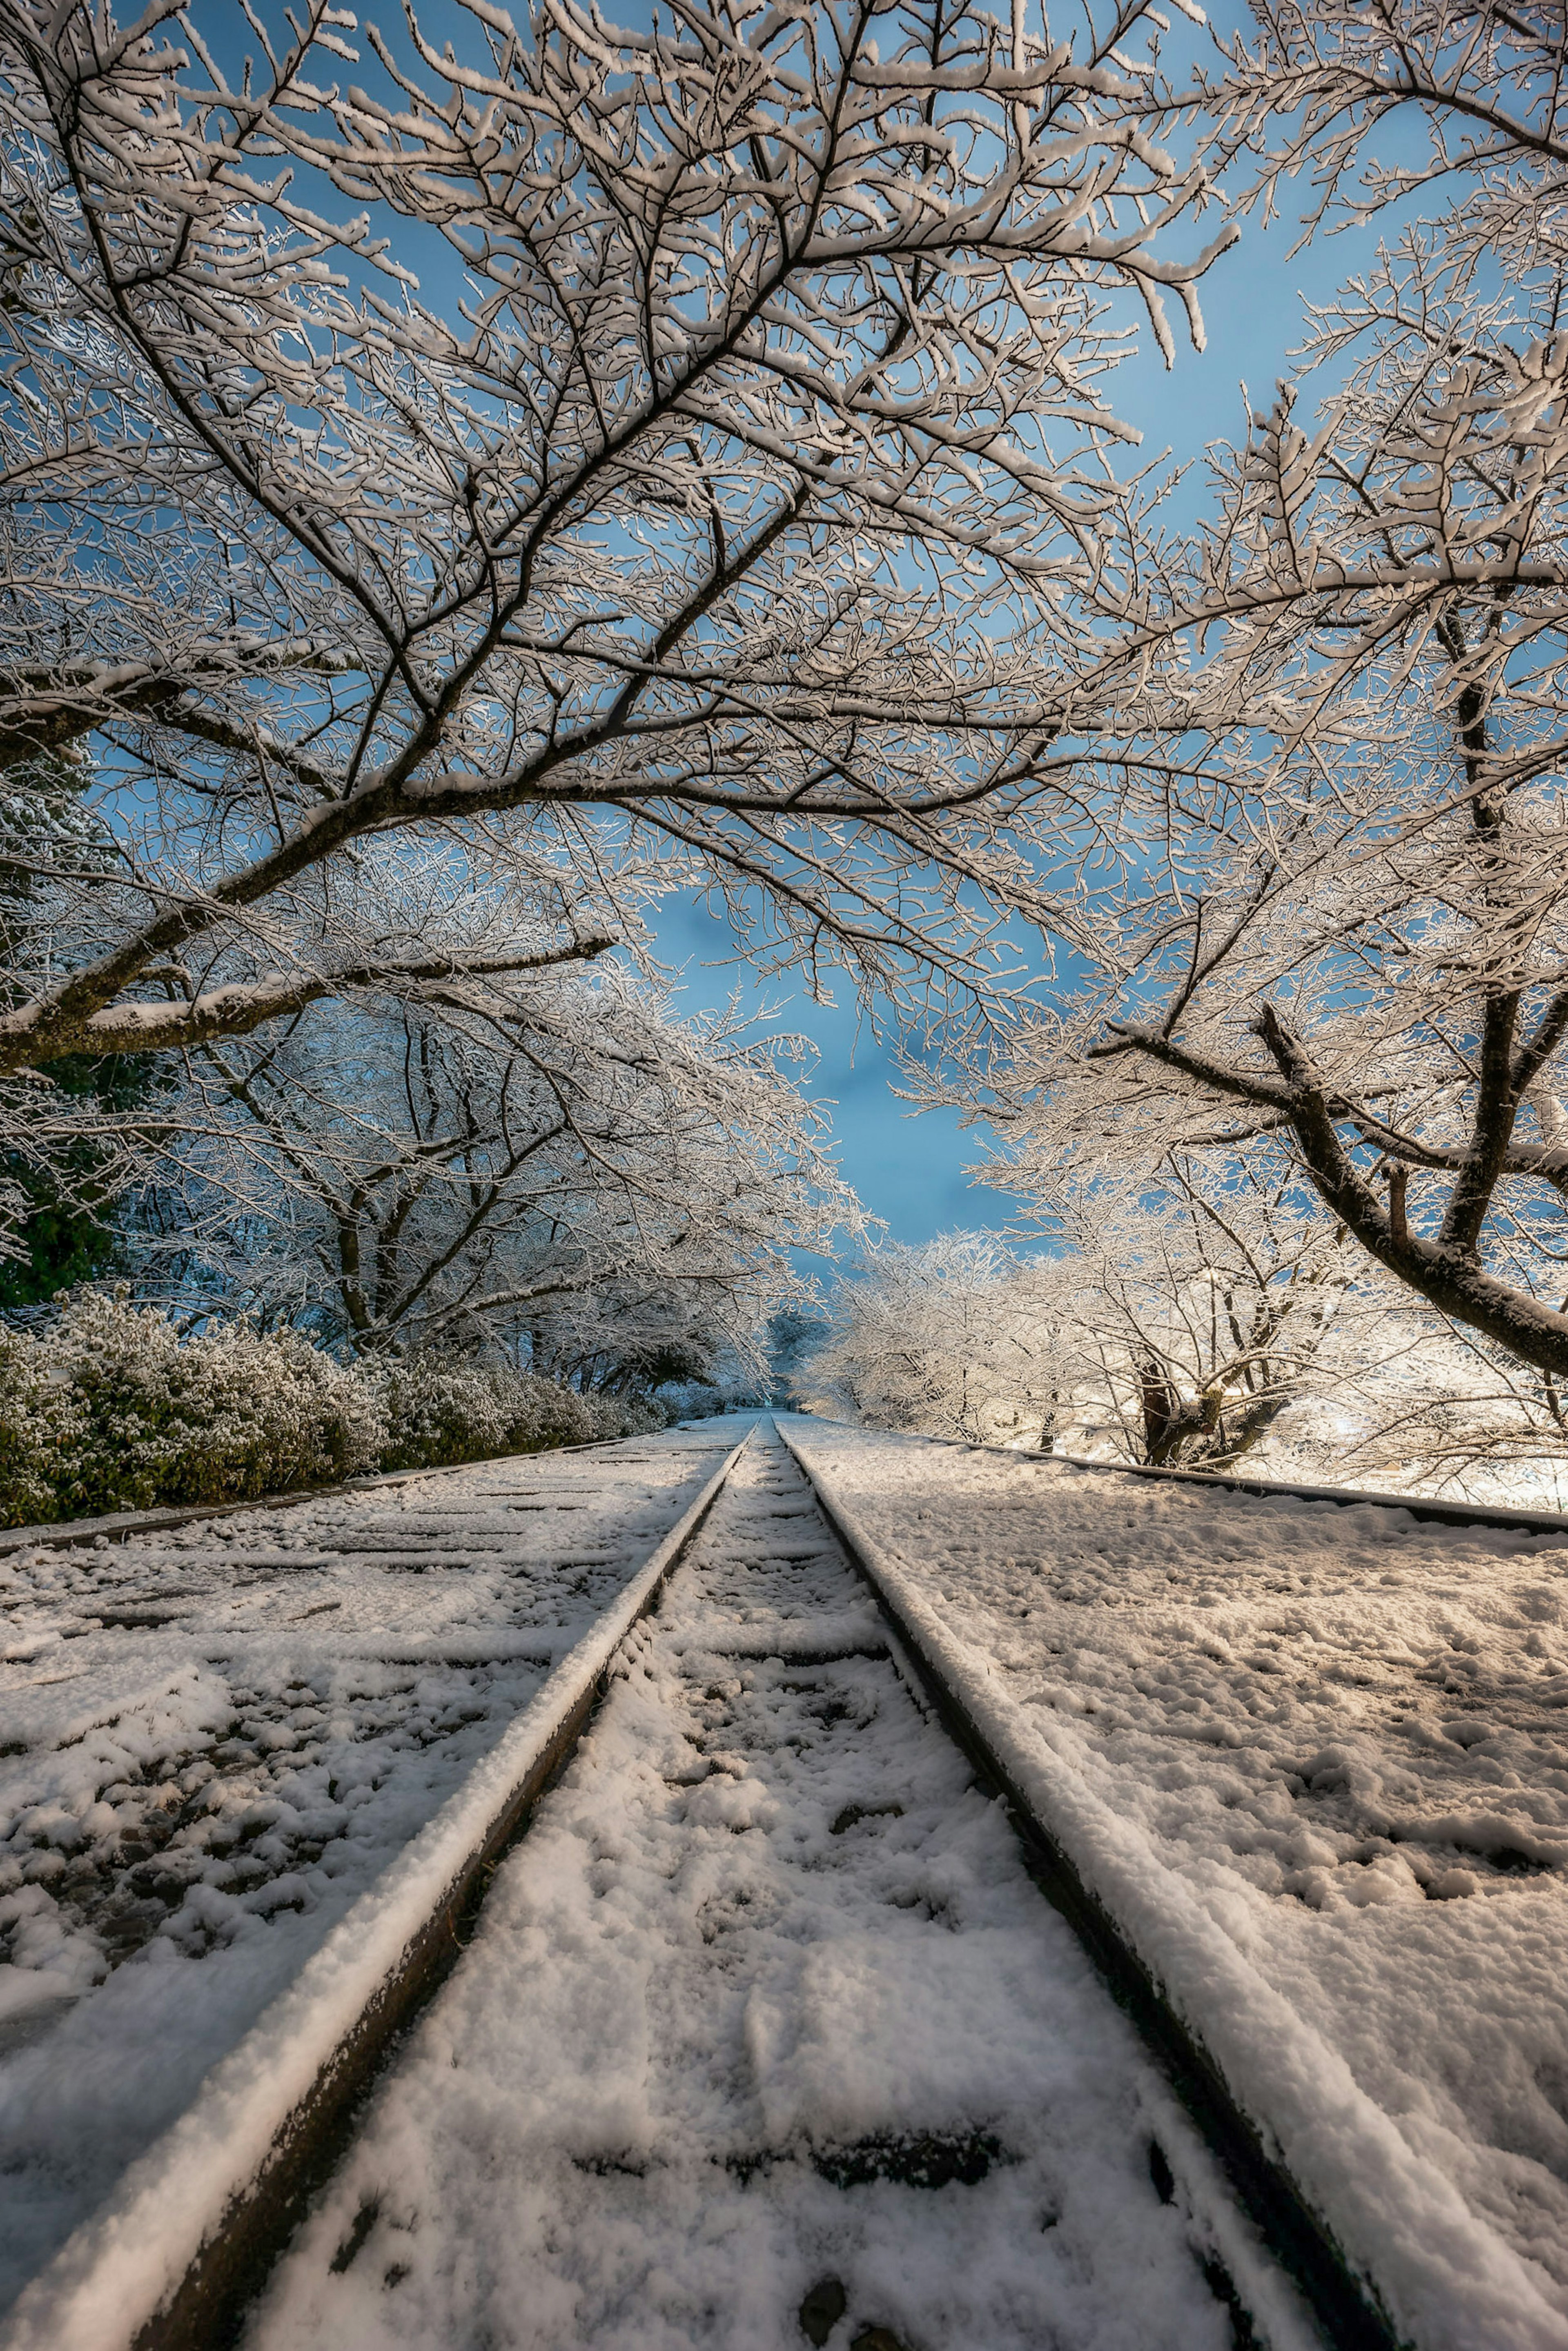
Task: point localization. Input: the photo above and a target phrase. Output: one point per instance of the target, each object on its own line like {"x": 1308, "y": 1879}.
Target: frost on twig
{"x": 670, "y": 446}
{"x": 1324, "y": 819}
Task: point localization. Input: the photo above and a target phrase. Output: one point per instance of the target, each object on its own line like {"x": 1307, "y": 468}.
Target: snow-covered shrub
{"x": 543, "y": 1413}
{"x": 40, "y": 1426}
{"x": 112, "y": 1409}
{"x": 437, "y": 1411}
{"x": 627, "y": 1416}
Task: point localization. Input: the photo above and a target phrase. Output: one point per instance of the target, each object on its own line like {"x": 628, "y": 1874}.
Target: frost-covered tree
{"x": 1190, "y": 1326}
{"x": 794, "y": 1335}
{"x": 1414, "y": 1402}
{"x": 1200, "y": 1311}
{"x": 956, "y": 1338}
{"x": 585, "y": 443}
{"x": 1174, "y": 1322}
{"x": 569, "y": 1176}
{"x": 1326, "y": 823}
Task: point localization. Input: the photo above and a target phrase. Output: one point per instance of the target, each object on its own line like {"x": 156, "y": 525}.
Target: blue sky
{"x": 911, "y": 1171}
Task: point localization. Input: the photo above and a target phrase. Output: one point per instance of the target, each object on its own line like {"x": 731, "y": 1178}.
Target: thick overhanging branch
{"x": 1546, "y": 1161}
{"x": 45, "y": 711}
{"x": 243, "y": 1005}
{"x": 1449, "y": 1278}
{"x": 1240, "y": 1085}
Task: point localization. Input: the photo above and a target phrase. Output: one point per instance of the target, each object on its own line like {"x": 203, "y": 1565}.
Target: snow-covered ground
{"x": 213, "y": 1738}
{"x": 1316, "y": 1758}
{"x": 765, "y": 2038}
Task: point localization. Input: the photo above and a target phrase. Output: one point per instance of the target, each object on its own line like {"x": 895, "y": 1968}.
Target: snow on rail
{"x": 1310, "y": 1759}
{"x": 766, "y": 2037}
{"x": 116, "y": 1526}
{"x": 420, "y": 1588}
{"x": 1420, "y": 1507}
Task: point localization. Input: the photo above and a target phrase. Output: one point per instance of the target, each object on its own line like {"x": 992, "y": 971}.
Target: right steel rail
{"x": 1299, "y": 2239}
{"x": 1419, "y": 1506}
{"x": 1345, "y": 1498}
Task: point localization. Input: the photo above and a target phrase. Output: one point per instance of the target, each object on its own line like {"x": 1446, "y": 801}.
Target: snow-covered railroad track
{"x": 1311, "y": 1755}
{"x": 763, "y": 2037}
{"x": 1285, "y": 2219}
{"x": 228, "y": 1789}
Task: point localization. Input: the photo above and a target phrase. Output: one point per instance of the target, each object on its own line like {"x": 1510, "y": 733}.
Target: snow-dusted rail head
{"x": 766, "y": 2039}
{"x": 1314, "y": 1761}
{"x": 224, "y": 1741}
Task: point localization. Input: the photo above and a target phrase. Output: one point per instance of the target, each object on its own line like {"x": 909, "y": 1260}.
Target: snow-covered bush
{"x": 627, "y": 1416}
{"x": 438, "y": 1412}
{"x": 40, "y": 1422}
{"x": 112, "y": 1409}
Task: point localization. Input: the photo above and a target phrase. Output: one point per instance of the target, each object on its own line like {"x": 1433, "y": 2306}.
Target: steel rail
{"x": 1349, "y": 1498}
{"x": 119, "y": 1526}
{"x": 1295, "y": 2234}
{"x": 184, "y": 2244}
{"x": 1418, "y": 1506}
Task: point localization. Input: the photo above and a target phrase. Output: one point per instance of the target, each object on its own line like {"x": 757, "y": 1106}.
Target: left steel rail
{"x": 183, "y": 2244}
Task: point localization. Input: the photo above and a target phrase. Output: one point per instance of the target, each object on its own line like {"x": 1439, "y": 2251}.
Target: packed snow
{"x": 218, "y": 1735}
{"x": 765, "y": 2038}
{"x": 1316, "y": 1760}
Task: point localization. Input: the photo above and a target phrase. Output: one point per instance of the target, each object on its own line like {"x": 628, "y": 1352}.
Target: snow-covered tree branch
{"x": 1310, "y": 85}
{"x": 1324, "y": 819}
{"x": 707, "y": 498}
{"x": 518, "y": 1179}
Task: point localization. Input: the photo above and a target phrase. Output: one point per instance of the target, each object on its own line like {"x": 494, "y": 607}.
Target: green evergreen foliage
{"x": 66, "y": 1226}
{"x": 67, "y": 1231}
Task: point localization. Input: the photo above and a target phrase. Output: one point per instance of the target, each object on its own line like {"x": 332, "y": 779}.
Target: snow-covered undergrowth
{"x": 110, "y": 1409}
{"x": 1319, "y": 1752}
{"x": 437, "y": 1413}
{"x": 216, "y": 1736}
{"x": 766, "y": 2007}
